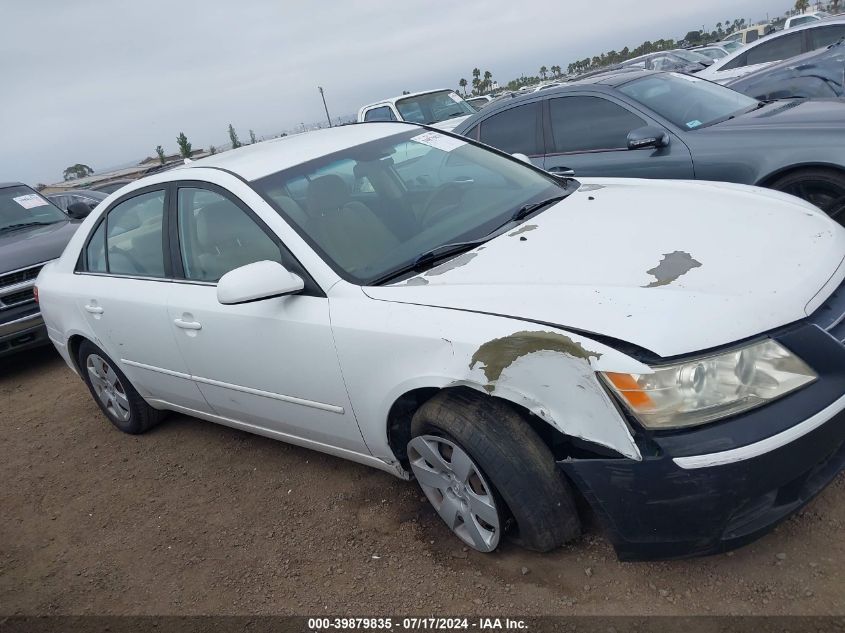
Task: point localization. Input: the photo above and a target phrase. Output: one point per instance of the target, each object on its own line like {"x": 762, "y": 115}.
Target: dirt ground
{"x": 195, "y": 518}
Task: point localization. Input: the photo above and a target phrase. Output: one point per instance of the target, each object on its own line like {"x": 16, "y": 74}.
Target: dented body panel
{"x": 387, "y": 349}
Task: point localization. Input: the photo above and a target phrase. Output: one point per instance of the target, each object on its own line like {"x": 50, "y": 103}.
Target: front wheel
{"x": 483, "y": 468}
{"x": 824, "y": 188}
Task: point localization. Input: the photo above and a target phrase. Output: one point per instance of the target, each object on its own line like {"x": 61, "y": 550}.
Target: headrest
{"x": 214, "y": 222}
{"x": 327, "y": 193}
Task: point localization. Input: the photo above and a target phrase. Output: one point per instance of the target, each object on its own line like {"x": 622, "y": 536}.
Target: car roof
{"x": 771, "y": 36}
{"x": 409, "y": 95}
{"x": 268, "y": 157}
{"x": 91, "y": 193}
{"x": 6, "y": 185}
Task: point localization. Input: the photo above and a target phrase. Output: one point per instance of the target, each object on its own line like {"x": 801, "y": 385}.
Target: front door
{"x": 589, "y": 134}
{"x": 271, "y": 363}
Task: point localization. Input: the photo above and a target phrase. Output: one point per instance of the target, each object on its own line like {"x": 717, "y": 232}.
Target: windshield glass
{"x": 686, "y": 101}
{"x": 731, "y": 45}
{"x": 21, "y": 205}
{"x": 375, "y": 208}
{"x": 691, "y": 56}
{"x": 433, "y": 107}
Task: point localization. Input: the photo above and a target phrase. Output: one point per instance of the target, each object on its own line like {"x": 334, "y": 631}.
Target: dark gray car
{"x": 87, "y": 197}
{"x": 644, "y": 124}
{"x": 32, "y": 232}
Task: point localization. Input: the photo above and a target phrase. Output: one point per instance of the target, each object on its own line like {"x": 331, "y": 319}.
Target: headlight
{"x": 706, "y": 389}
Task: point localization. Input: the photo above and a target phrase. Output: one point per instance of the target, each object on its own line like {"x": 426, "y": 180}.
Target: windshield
{"x": 691, "y": 56}
{"x": 433, "y": 107}
{"x": 20, "y": 205}
{"x": 686, "y": 101}
{"x": 375, "y": 208}
{"x": 731, "y": 45}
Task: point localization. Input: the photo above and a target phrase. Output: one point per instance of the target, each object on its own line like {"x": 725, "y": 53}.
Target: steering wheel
{"x": 445, "y": 198}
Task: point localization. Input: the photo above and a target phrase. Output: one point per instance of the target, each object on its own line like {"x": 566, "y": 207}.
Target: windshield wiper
{"x": 430, "y": 258}
{"x": 22, "y": 225}
{"x": 528, "y": 209}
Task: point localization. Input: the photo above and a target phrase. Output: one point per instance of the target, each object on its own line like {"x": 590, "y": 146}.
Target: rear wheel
{"x": 483, "y": 468}
{"x": 113, "y": 392}
{"x": 824, "y": 188}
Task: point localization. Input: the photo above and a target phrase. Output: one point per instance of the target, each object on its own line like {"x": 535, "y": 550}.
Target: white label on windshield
{"x": 455, "y": 97}
{"x": 30, "y": 201}
{"x": 693, "y": 124}
{"x": 439, "y": 141}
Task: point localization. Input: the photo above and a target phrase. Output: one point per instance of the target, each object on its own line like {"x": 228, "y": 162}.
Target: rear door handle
{"x": 188, "y": 325}
{"x": 94, "y": 309}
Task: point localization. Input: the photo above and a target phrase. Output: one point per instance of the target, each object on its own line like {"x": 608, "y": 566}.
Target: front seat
{"x": 347, "y": 230}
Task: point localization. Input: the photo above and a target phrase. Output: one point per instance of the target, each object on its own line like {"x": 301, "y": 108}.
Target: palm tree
{"x": 476, "y": 83}
{"x": 543, "y": 71}
{"x": 488, "y": 76}
{"x": 475, "y": 73}
{"x": 463, "y": 84}
{"x": 802, "y": 5}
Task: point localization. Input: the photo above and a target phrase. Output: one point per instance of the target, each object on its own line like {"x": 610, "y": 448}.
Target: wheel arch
{"x": 771, "y": 177}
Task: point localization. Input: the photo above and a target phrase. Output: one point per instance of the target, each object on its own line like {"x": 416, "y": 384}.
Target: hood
{"x": 674, "y": 267}
{"x": 26, "y": 247}
{"x": 450, "y": 124}
{"x": 791, "y": 113}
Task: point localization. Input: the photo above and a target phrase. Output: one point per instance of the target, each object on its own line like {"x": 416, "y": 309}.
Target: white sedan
{"x": 417, "y": 302}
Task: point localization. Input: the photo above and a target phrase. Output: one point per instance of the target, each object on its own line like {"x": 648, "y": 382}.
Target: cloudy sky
{"x": 102, "y": 82}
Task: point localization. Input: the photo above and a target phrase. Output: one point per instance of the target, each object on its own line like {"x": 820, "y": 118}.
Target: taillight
{"x": 35, "y": 293}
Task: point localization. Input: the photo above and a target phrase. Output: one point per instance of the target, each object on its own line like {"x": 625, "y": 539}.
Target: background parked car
{"x": 111, "y": 187}
{"x": 776, "y": 47}
{"x": 441, "y": 108}
{"x": 85, "y": 196}
{"x": 750, "y": 34}
{"x": 32, "y": 232}
{"x": 479, "y": 101}
{"x": 713, "y": 51}
{"x": 815, "y": 75}
{"x": 647, "y": 124}
{"x": 678, "y": 60}
{"x": 805, "y": 18}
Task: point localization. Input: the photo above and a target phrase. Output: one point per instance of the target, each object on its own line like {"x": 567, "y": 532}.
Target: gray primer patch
{"x": 416, "y": 281}
{"x": 500, "y": 353}
{"x": 523, "y": 229}
{"x": 672, "y": 266}
{"x": 460, "y": 260}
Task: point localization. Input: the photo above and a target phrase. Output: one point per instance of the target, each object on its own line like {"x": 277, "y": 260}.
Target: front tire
{"x": 822, "y": 187}
{"x": 480, "y": 464}
{"x": 113, "y": 393}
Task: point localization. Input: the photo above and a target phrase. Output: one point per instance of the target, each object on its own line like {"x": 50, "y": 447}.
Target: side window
{"x": 473, "y": 133}
{"x": 825, "y": 35}
{"x": 216, "y": 236}
{"x": 775, "y": 50}
{"x": 514, "y": 130}
{"x": 582, "y": 124}
{"x": 95, "y": 254}
{"x": 751, "y": 36}
{"x": 384, "y": 113}
{"x": 134, "y": 236}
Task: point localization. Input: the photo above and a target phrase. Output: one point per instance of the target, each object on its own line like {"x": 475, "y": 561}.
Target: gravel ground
{"x": 195, "y": 518}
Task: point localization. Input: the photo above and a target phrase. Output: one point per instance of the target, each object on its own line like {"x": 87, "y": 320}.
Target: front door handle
{"x": 188, "y": 325}
{"x": 94, "y": 309}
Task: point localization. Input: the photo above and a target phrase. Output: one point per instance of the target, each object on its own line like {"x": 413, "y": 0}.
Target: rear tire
{"x": 822, "y": 187}
{"x": 113, "y": 393}
{"x": 510, "y": 458}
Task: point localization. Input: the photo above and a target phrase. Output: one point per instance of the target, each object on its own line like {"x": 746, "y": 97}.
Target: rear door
{"x": 123, "y": 280}
{"x": 589, "y": 133}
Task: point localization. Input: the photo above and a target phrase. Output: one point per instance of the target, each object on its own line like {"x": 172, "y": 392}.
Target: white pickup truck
{"x": 443, "y": 109}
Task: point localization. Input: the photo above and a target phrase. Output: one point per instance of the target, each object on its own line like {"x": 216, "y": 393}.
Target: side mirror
{"x": 648, "y": 136}
{"x": 559, "y": 170}
{"x": 78, "y": 210}
{"x": 254, "y": 282}
{"x": 522, "y": 157}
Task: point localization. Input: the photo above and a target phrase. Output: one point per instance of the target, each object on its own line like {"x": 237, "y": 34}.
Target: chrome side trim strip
{"x": 226, "y": 385}
{"x": 763, "y": 446}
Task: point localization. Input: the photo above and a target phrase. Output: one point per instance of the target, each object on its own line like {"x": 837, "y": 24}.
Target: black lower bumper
{"x": 654, "y": 509}
{"x": 33, "y": 335}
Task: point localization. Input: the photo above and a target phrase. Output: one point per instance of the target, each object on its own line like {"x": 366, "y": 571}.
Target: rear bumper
{"x": 674, "y": 507}
{"x": 22, "y": 333}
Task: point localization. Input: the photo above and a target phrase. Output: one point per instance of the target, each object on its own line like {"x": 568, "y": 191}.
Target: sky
{"x": 103, "y": 82}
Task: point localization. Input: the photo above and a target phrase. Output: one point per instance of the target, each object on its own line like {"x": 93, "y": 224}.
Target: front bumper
{"x": 22, "y": 333}
{"x": 720, "y": 486}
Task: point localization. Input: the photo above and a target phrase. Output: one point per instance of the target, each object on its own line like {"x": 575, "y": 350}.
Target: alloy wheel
{"x": 108, "y": 387}
{"x": 826, "y": 195}
{"x": 460, "y": 494}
